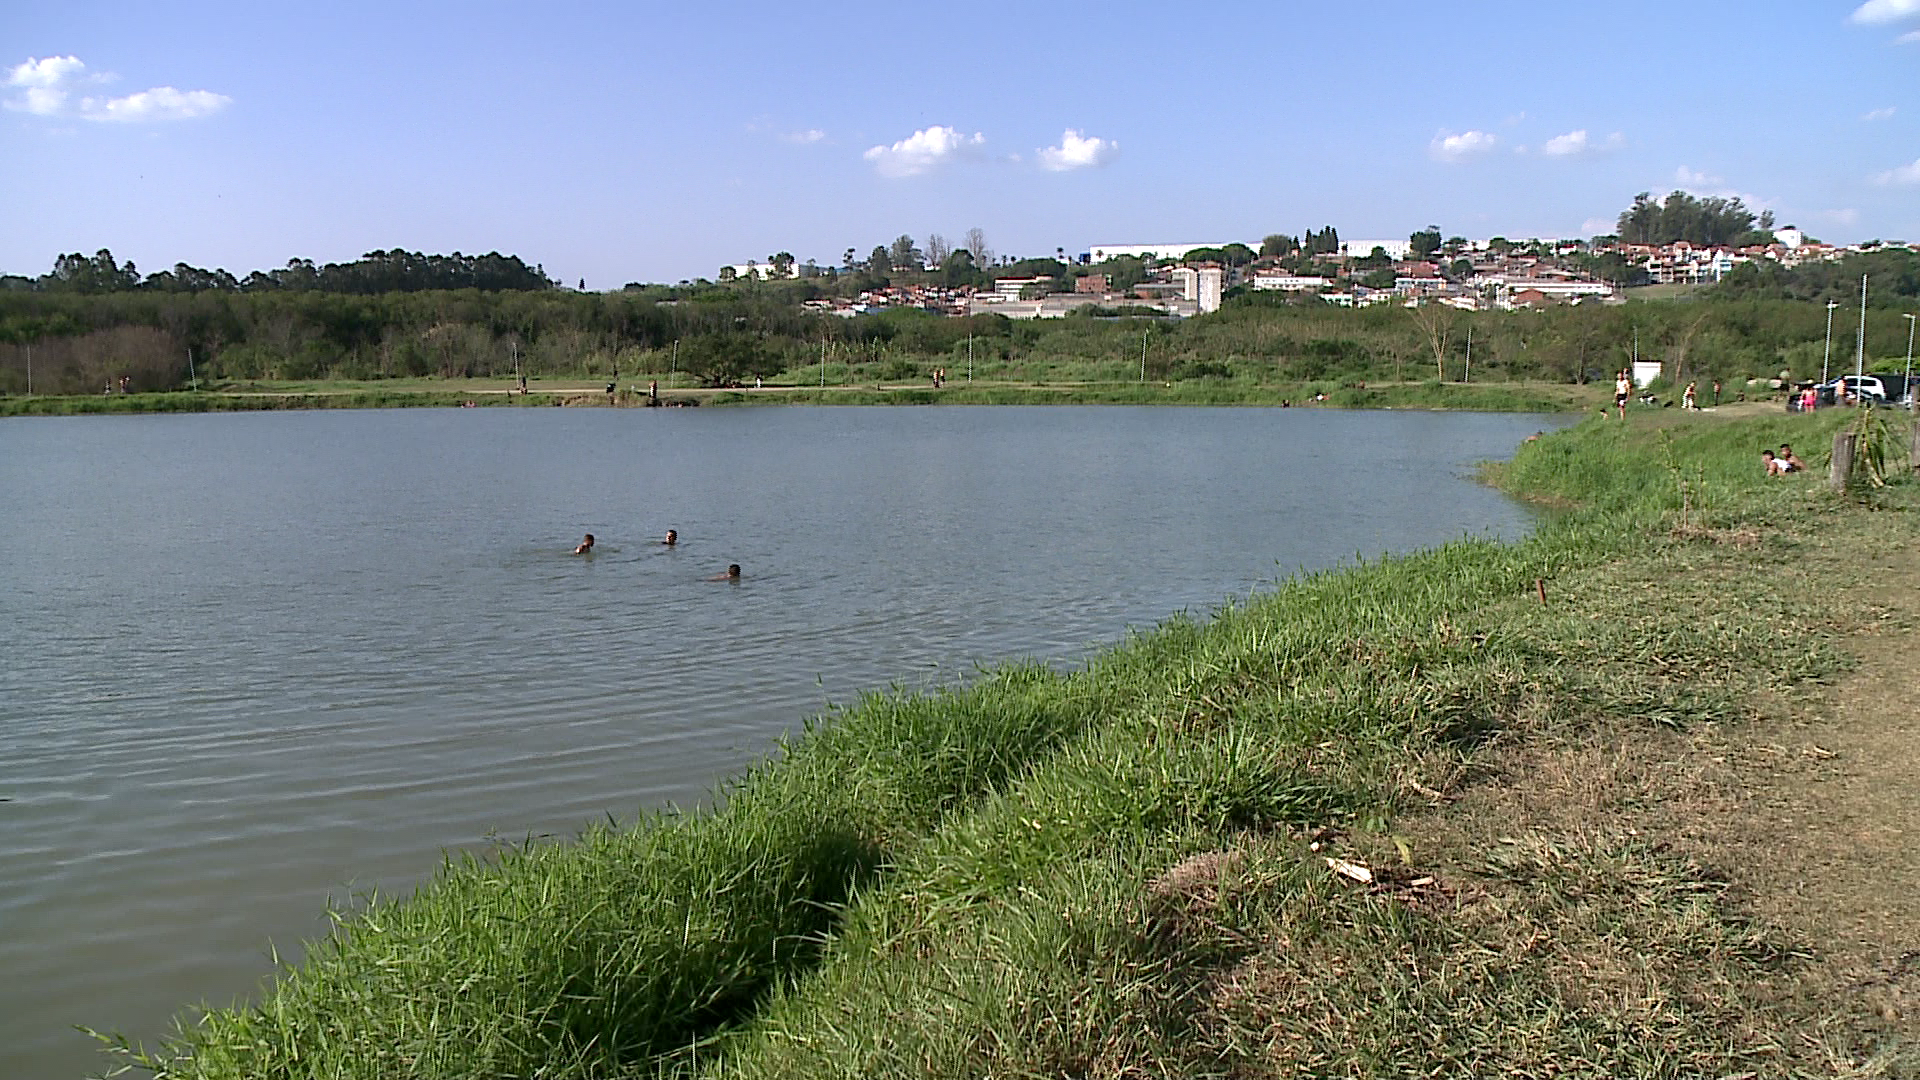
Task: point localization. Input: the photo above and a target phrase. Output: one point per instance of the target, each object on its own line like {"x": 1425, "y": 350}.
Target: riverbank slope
{"x": 1484, "y": 809}
{"x": 454, "y": 393}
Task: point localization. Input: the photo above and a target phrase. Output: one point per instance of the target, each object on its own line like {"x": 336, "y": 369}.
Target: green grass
{"x": 1105, "y": 872}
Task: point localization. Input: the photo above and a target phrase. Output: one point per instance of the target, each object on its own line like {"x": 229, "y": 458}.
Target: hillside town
{"x": 1186, "y": 279}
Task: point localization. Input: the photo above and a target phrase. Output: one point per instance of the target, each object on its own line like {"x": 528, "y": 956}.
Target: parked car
{"x": 1858, "y": 387}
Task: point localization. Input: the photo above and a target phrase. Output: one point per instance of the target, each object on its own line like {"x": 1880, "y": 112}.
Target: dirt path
{"x": 1826, "y": 809}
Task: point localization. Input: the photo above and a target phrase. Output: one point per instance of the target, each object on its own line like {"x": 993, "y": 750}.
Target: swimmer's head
{"x": 733, "y": 570}
{"x": 672, "y": 537}
{"x": 589, "y": 538}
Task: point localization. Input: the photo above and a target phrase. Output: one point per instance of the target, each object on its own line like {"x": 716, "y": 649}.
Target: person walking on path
{"x": 1622, "y": 389}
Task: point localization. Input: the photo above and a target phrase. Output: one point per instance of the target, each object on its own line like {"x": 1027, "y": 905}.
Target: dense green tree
{"x": 1278, "y": 244}
{"x": 1324, "y": 242}
{"x": 729, "y": 357}
{"x": 1425, "y": 242}
{"x": 957, "y": 269}
{"x": 903, "y": 254}
{"x": 1706, "y": 222}
{"x": 100, "y": 274}
{"x": 1373, "y": 260}
{"x": 879, "y": 263}
{"x": 1123, "y": 272}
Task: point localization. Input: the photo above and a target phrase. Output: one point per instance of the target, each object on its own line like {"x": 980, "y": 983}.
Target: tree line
{"x": 372, "y": 273}
{"x": 1712, "y": 221}
{"x": 81, "y": 342}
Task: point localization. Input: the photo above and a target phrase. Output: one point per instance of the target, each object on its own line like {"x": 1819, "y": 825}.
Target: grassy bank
{"x": 1123, "y": 870}
{"x": 1483, "y": 397}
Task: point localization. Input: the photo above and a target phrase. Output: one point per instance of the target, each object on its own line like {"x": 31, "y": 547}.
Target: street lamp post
{"x": 1910, "y": 394}
{"x": 1828, "y": 353}
{"x": 1860, "y": 342}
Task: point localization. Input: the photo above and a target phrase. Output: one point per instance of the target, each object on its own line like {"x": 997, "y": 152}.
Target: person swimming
{"x": 672, "y": 538}
{"x": 585, "y": 545}
{"x": 732, "y": 574}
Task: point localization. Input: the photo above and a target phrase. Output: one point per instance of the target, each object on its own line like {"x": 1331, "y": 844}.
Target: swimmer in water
{"x": 732, "y": 574}
{"x": 672, "y": 538}
{"x": 585, "y": 545}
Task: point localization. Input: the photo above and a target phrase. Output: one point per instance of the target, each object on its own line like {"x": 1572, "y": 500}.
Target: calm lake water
{"x": 254, "y": 661}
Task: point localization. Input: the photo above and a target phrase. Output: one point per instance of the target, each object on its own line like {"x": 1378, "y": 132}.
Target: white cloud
{"x": 1447, "y": 146}
{"x": 923, "y": 150}
{"x": 1905, "y": 174}
{"x": 1693, "y": 178}
{"x": 49, "y": 71}
{"x": 1911, "y": 37}
{"x": 1885, "y": 11}
{"x": 1878, "y": 114}
{"x": 1576, "y": 143}
{"x": 47, "y": 85}
{"x": 1077, "y": 152}
{"x": 1840, "y": 217}
{"x": 1573, "y": 142}
{"x": 44, "y": 83}
{"x": 159, "y": 103}
{"x": 811, "y": 135}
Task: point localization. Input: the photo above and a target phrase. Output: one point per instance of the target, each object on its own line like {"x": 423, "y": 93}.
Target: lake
{"x": 254, "y": 661}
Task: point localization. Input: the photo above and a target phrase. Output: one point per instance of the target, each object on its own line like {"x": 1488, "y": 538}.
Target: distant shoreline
{"x": 1475, "y": 397}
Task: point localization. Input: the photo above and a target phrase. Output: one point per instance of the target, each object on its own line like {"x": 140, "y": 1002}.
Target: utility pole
{"x": 1143, "y": 355}
{"x": 1827, "y": 354}
{"x": 970, "y": 359}
{"x": 673, "y": 364}
{"x": 29, "y": 371}
{"x": 191, "y": 374}
{"x": 1467, "y": 376}
{"x": 823, "y": 363}
{"x": 1909, "y": 362}
{"x": 1860, "y": 340}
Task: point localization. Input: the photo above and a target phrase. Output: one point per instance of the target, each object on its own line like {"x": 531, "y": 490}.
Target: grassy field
{"x": 434, "y": 393}
{"x": 1393, "y": 820}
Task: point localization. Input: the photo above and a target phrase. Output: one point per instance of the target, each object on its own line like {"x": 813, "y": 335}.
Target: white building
{"x": 1010, "y": 287}
{"x": 1203, "y": 285}
{"x": 751, "y": 269}
{"x": 1280, "y": 279}
{"x": 1360, "y": 249}
{"x": 1100, "y": 253}
{"x": 1790, "y": 236}
{"x": 1568, "y": 289}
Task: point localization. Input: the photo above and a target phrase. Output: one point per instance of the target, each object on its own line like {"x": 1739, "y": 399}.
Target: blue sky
{"x": 623, "y": 142}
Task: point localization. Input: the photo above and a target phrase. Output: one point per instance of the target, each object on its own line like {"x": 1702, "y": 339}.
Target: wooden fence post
{"x": 1913, "y": 446}
{"x": 1842, "y": 461}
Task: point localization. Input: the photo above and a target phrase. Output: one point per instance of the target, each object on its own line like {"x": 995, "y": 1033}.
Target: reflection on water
{"x": 256, "y": 660}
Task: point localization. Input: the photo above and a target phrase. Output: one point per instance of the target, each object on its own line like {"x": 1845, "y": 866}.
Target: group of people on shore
{"x": 672, "y": 539}
{"x": 1786, "y": 461}
{"x": 1689, "y": 398}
